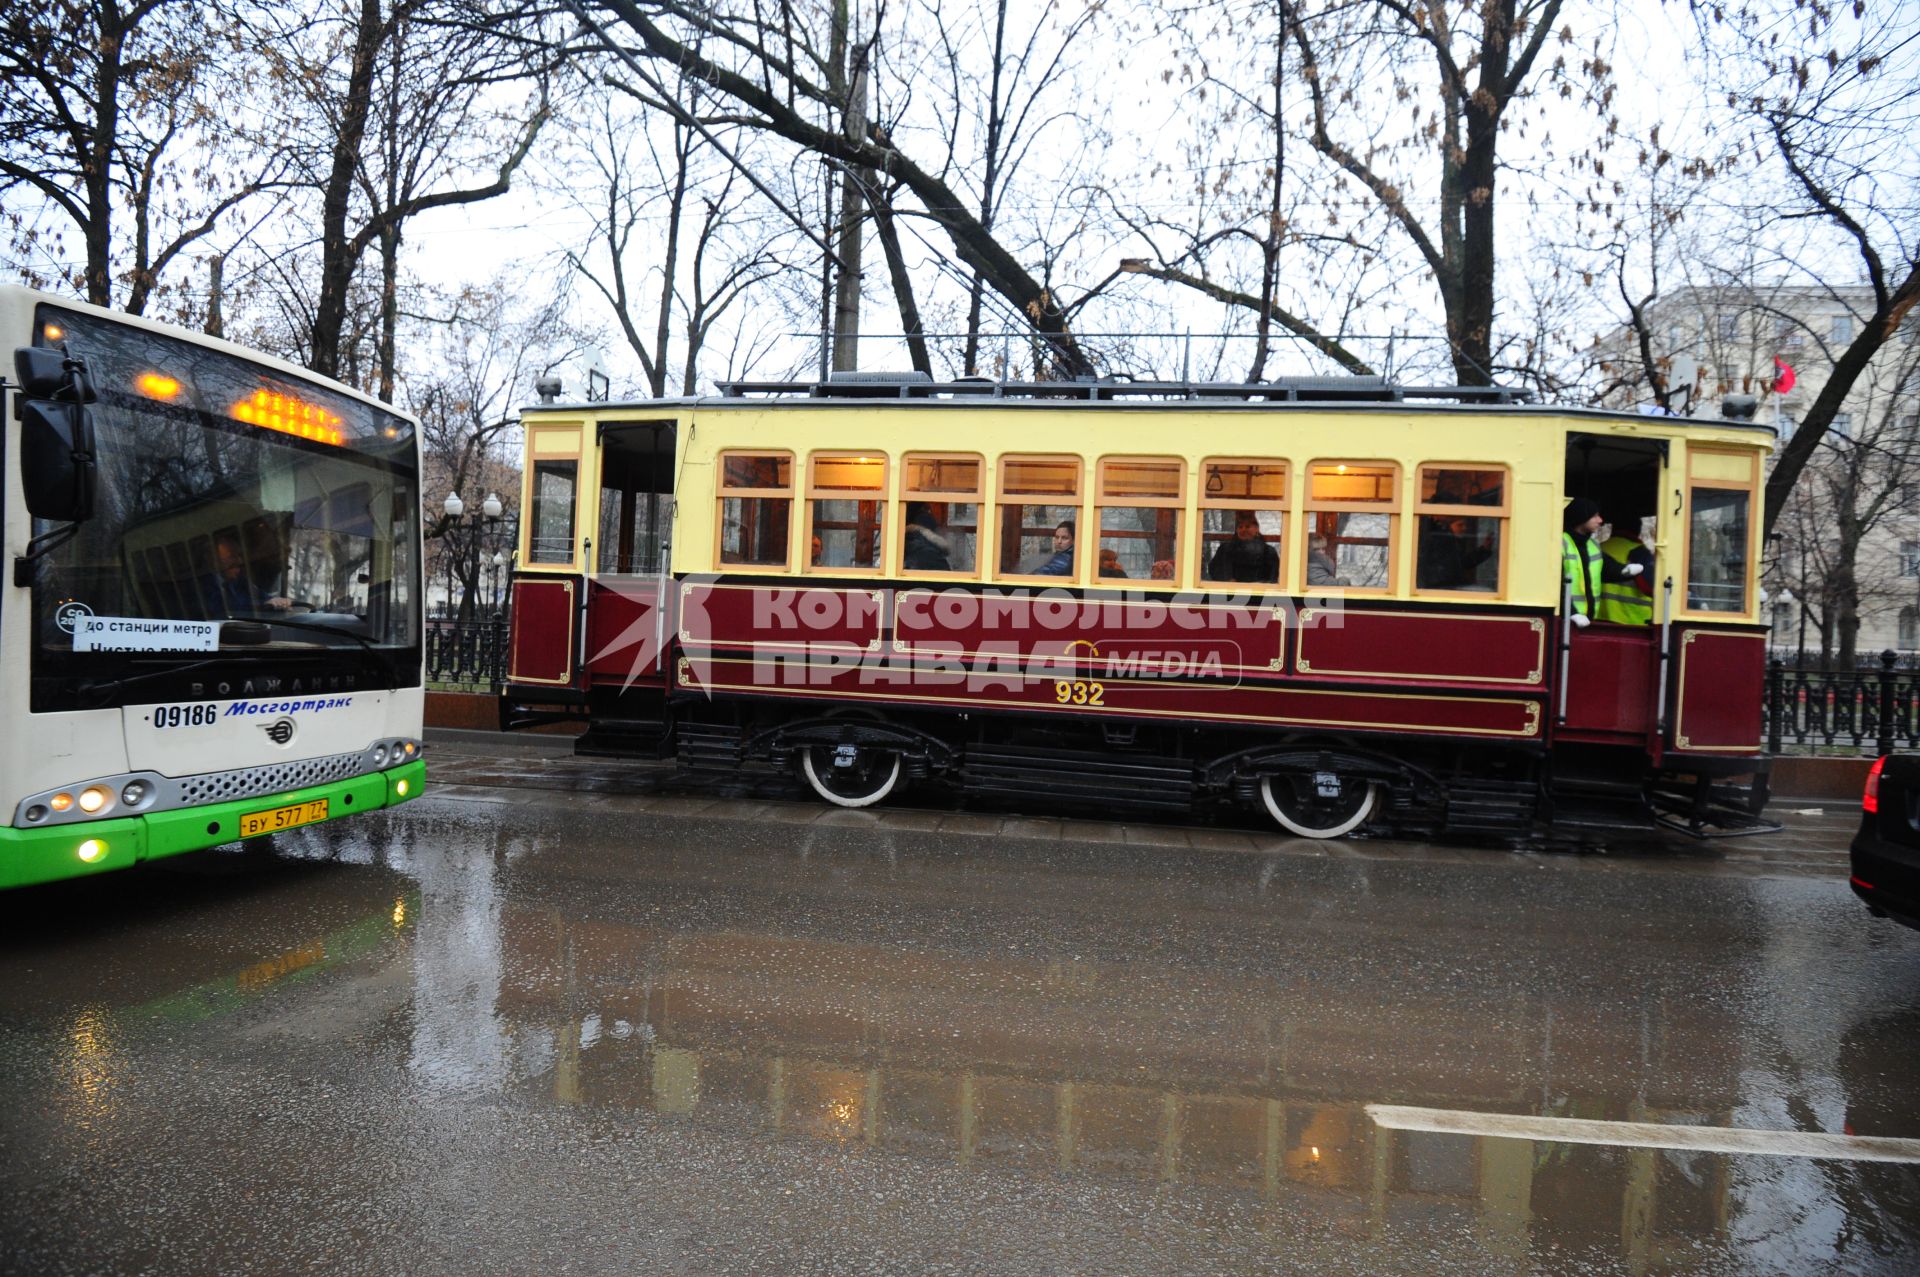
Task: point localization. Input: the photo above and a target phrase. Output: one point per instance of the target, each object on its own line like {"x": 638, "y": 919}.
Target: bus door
{"x": 630, "y": 598}
{"x": 1611, "y": 670}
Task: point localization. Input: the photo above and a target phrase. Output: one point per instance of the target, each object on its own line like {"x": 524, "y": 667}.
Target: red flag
{"x": 1782, "y": 376}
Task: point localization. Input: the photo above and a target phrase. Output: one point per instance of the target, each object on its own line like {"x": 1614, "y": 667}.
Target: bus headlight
{"x": 61, "y": 802}
{"x": 133, "y": 793}
{"x": 401, "y": 787}
{"x": 93, "y": 798}
{"x": 91, "y": 850}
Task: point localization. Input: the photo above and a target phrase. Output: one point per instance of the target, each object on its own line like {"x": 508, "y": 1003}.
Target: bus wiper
{"x": 109, "y": 686}
{"x": 373, "y": 649}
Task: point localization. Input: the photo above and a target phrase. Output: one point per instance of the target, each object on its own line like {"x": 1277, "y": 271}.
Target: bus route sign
{"x": 143, "y": 634}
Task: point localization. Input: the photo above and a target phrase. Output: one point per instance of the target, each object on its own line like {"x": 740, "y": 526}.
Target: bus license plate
{"x": 266, "y": 822}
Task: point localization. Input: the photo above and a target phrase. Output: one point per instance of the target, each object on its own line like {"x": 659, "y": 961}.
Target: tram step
{"x": 622, "y": 738}
{"x": 1488, "y": 807}
{"x": 1599, "y": 816}
{"x": 1116, "y": 782}
{"x": 709, "y": 747}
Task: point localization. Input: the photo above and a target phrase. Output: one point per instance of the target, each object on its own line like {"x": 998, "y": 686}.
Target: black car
{"x": 1886, "y": 851}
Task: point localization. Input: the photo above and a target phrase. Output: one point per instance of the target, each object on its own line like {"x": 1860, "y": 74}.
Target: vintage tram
{"x": 1337, "y": 600}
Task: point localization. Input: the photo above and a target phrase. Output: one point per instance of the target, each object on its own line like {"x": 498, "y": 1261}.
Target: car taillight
{"x": 1870, "y": 801}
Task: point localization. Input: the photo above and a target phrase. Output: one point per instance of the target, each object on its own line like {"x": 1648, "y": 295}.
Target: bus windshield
{"x": 238, "y": 510}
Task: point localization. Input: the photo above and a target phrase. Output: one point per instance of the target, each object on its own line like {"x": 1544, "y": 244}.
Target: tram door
{"x": 629, "y": 587}
{"x": 1611, "y": 691}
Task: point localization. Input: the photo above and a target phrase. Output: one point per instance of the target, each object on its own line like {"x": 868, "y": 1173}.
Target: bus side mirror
{"x": 45, "y": 373}
{"x": 57, "y": 460}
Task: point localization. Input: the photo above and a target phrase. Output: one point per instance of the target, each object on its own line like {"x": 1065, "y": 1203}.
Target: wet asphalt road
{"x": 565, "y": 1016}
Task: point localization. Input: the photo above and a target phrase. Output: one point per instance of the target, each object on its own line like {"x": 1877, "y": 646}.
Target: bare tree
{"x": 1833, "y": 98}
{"x": 1862, "y": 484}
{"x": 776, "y": 75}
{"x": 1364, "y": 75}
{"x": 398, "y": 110}
{"x": 110, "y": 117}
{"x": 484, "y": 349}
{"x": 672, "y": 246}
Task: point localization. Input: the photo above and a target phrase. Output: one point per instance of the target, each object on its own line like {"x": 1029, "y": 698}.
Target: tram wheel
{"x": 850, "y": 775}
{"x": 1322, "y": 805}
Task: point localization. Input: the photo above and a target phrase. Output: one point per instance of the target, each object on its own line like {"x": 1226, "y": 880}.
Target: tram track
{"x": 470, "y": 765}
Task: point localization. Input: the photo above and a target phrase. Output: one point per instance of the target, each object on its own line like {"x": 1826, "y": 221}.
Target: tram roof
{"x": 1360, "y": 394}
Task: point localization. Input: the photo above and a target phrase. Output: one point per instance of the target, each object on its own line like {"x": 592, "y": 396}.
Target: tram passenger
{"x": 926, "y": 545}
{"x": 1449, "y": 560}
{"x": 1320, "y": 568}
{"x": 1248, "y": 557}
{"x": 1582, "y": 567}
{"x": 1110, "y": 564}
{"x": 1629, "y": 601}
{"x": 1061, "y": 564}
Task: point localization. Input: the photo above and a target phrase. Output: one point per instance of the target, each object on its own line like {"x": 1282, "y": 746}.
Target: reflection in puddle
{"x": 883, "y": 1052}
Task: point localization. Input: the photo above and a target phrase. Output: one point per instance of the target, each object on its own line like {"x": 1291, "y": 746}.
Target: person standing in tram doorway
{"x": 1628, "y": 601}
{"x": 1585, "y": 570}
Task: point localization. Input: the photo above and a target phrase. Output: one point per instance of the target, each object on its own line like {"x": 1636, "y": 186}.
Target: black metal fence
{"x": 1855, "y": 710}
{"x": 467, "y": 656}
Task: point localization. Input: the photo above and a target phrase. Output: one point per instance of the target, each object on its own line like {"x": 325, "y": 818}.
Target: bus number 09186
{"x": 186, "y": 715}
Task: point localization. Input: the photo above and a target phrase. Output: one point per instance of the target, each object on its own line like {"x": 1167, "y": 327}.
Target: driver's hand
{"x": 1580, "y": 622}
{"x": 1632, "y": 569}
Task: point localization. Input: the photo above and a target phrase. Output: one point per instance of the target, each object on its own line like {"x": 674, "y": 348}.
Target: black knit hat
{"x": 1579, "y": 510}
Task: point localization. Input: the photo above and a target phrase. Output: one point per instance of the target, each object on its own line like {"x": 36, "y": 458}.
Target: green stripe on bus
{"x": 30, "y": 856}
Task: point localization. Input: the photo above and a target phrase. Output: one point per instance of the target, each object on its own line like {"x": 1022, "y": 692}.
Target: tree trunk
{"x": 902, "y": 286}
{"x": 337, "y": 260}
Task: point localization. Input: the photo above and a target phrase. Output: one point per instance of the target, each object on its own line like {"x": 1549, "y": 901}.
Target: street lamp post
{"x": 493, "y": 579}
{"x": 455, "y": 509}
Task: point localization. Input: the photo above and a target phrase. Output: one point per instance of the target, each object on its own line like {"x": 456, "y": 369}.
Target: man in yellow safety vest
{"x": 1584, "y": 569}
{"x": 1628, "y": 601}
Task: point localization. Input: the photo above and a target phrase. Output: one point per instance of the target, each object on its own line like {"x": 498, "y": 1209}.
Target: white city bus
{"x": 210, "y": 622}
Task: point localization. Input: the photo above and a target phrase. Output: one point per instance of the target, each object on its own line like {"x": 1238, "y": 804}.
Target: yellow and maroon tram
{"x": 1334, "y": 599}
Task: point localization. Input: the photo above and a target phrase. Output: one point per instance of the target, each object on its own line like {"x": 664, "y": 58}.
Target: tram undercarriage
{"x": 1313, "y": 785}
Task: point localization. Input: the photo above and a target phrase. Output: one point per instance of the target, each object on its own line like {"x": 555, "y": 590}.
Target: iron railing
{"x": 1852, "y": 710}
{"x": 1841, "y": 710}
{"x": 467, "y": 656}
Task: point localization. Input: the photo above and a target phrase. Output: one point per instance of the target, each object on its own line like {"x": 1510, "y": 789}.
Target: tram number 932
{"x": 185, "y": 715}
{"x": 1077, "y": 692}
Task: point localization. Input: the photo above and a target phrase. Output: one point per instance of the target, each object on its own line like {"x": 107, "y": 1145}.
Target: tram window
{"x": 940, "y": 515}
{"x": 552, "y": 515}
{"x": 1141, "y": 500}
{"x": 1717, "y": 550}
{"x": 756, "y": 508}
{"x": 1722, "y": 489}
{"x": 1038, "y": 513}
{"x": 1461, "y": 516}
{"x": 1243, "y": 517}
{"x": 846, "y": 510}
{"x": 1352, "y": 507}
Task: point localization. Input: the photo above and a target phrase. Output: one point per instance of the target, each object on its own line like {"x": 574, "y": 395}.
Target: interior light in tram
{"x": 157, "y": 385}
{"x": 53, "y": 332}
{"x": 289, "y": 414}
